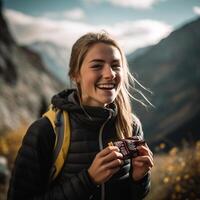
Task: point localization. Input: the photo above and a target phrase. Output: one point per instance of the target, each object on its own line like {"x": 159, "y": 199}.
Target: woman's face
{"x": 100, "y": 75}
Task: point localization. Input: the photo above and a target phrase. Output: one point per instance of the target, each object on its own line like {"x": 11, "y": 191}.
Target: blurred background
{"x": 161, "y": 39}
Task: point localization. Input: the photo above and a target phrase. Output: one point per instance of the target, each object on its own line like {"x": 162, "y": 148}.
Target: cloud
{"x": 130, "y": 34}
{"x": 141, "y": 33}
{"x": 28, "y": 29}
{"x": 137, "y": 4}
{"x": 73, "y": 14}
{"x": 76, "y": 14}
{"x": 196, "y": 10}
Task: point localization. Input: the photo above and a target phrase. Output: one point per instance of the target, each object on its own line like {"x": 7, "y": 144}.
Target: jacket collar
{"x": 68, "y": 100}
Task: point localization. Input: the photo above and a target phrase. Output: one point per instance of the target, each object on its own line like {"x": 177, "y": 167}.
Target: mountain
{"x": 171, "y": 69}
{"x": 25, "y": 84}
{"x": 138, "y": 52}
{"x": 55, "y": 57}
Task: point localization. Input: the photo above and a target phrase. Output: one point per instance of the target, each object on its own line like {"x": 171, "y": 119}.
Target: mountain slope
{"x": 55, "y": 58}
{"x": 24, "y": 82}
{"x": 171, "y": 69}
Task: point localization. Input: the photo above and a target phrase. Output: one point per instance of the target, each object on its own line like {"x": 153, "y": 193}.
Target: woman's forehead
{"x": 103, "y": 51}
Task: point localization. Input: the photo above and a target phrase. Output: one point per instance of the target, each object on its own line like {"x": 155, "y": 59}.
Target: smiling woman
{"x": 99, "y": 112}
{"x": 102, "y": 65}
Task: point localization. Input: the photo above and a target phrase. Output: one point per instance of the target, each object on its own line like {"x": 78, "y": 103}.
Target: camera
{"x": 128, "y": 146}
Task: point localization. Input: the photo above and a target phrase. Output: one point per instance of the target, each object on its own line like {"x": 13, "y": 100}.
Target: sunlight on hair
{"x": 132, "y": 87}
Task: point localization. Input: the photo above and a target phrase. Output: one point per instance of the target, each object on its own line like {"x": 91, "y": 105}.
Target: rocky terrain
{"x": 25, "y": 84}
{"x": 55, "y": 58}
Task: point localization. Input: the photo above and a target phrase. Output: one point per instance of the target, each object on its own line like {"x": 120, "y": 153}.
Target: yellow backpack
{"x": 60, "y": 122}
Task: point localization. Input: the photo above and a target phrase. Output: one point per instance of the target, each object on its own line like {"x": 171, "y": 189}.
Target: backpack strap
{"x": 60, "y": 122}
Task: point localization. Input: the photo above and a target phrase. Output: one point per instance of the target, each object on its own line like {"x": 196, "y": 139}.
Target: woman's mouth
{"x": 106, "y": 86}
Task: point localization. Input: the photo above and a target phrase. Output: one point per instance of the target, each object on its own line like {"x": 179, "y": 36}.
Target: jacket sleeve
{"x": 29, "y": 179}
{"x": 140, "y": 188}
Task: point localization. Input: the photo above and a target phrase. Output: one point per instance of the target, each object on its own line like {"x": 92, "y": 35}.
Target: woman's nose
{"x": 108, "y": 72}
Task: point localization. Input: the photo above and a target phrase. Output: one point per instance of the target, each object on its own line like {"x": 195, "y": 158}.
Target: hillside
{"x": 25, "y": 85}
{"x": 55, "y": 58}
{"x": 171, "y": 69}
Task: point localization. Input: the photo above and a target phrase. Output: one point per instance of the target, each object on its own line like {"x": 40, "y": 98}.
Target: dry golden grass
{"x": 10, "y": 143}
{"x": 176, "y": 175}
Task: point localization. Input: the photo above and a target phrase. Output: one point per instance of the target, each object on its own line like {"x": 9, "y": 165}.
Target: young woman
{"x": 100, "y": 112}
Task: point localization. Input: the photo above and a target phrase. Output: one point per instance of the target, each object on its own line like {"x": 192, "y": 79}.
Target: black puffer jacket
{"x": 31, "y": 171}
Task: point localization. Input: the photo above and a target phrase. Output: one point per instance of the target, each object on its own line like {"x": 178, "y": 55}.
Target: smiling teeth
{"x": 106, "y": 86}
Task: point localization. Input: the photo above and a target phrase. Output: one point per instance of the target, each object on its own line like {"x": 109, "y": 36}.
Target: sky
{"x": 134, "y": 23}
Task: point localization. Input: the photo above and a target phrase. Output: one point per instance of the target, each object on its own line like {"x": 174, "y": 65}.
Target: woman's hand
{"x": 106, "y": 163}
{"x": 143, "y": 163}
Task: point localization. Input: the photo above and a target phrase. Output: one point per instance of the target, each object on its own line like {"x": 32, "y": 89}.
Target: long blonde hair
{"x": 125, "y": 118}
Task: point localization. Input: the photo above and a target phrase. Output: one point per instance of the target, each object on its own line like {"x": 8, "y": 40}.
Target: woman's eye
{"x": 97, "y": 66}
{"x": 117, "y": 67}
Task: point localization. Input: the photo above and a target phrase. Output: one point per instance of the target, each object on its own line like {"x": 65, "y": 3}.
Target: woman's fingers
{"x": 144, "y": 150}
{"x": 138, "y": 163}
{"x": 146, "y": 160}
{"x": 148, "y": 149}
{"x": 114, "y": 155}
{"x": 107, "y": 151}
{"x": 106, "y": 163}
{"x": 114, "y": 164}
{"x": 142, "y": 163}
{"x": 109, "y": 154}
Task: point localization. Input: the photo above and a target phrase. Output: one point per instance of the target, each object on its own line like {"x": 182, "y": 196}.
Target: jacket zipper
{"x": 101, "y": 147}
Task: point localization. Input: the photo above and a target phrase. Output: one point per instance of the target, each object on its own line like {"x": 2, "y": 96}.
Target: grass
{"x": 176, "y": 174}
{"x": 9, "y": 145}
